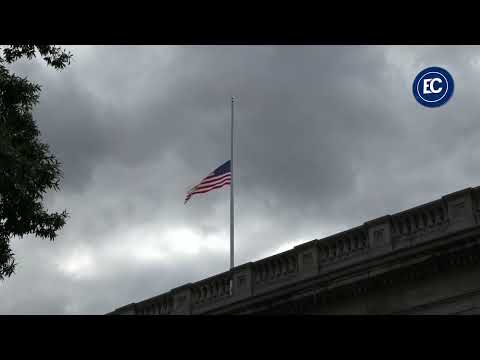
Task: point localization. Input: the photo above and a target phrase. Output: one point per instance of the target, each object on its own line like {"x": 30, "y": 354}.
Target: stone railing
{"x": 275, "y": 268}
{"x": 212, "y": 290}
{"x": 417, "y": 222}
{"x": 323, "y": 257}
{"x": 159, "y": 305}
{"x": 342, "y": 246}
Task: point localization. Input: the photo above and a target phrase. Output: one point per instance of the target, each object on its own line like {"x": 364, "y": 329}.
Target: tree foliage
{"x": 27, "y": 167}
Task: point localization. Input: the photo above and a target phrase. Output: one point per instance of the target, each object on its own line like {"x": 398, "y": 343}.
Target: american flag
{"x": 219, "y": 177}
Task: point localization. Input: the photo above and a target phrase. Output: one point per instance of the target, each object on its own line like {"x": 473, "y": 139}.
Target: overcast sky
{"x": 327, "y": 137}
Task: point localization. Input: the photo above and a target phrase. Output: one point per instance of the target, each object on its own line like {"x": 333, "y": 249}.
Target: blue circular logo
{"x": 433, "y": 87}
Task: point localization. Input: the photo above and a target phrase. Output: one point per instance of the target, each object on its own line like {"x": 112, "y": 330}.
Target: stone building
{"x": 424, "y": 260}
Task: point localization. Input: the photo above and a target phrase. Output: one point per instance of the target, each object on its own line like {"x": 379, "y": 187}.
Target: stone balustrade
{"x": 320, "y": 257}
{"x": 274, "y": 268}
{"x": 344, "y": 245}
{"x": 211, "y": 290}
{"x": 412, "y": 224}
{"x": 159, "y": 305}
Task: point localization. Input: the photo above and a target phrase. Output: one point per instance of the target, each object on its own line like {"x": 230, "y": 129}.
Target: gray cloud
{"x": 327, "y": 137}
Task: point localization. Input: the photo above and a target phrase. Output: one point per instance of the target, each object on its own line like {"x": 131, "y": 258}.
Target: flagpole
{"x": 231, "y": 194}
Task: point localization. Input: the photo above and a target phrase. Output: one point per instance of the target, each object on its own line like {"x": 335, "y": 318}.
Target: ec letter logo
{"x": 428, "y": 87}
{"x": 433, "y": 87}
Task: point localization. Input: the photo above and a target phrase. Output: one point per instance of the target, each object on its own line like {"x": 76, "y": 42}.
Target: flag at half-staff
{"x": 218, "y": 178}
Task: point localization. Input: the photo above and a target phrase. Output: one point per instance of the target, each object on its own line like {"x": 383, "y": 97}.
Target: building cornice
{"x": 352, "y": 258}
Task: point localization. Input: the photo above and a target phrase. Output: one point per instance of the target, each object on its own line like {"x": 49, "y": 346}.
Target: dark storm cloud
{"x": 327, "y": 137}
